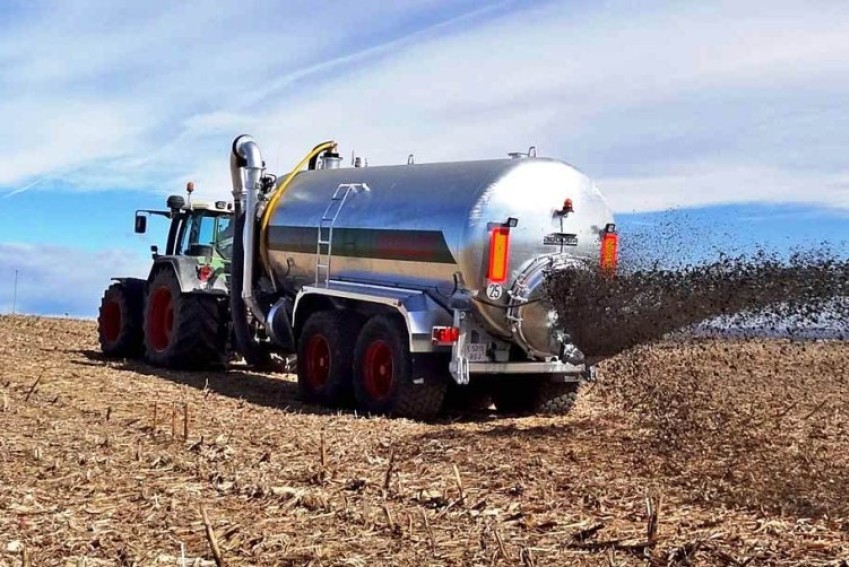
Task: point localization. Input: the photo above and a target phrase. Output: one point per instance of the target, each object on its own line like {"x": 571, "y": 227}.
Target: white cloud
{"x": 59, "y": 280}
{"x": 664, "y": 103}
{"x": 714, "y": 183}
{"x": 65, "y": 136}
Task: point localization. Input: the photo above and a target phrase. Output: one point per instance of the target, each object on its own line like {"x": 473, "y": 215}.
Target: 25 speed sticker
{"x": 494, "y": 291}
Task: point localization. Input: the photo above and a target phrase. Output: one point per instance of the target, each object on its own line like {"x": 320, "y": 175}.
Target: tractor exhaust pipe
{"x": 246, "y": 168}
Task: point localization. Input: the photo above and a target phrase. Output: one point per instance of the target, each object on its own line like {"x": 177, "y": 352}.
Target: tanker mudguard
{"x": 419, "y": 311}
{"x": 185, "y": 268}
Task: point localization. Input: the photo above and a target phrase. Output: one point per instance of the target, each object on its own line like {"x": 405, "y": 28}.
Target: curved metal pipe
{"x": 246, "y": 170}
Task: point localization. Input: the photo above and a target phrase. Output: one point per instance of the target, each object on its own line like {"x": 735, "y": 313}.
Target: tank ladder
{"x": 324, "y": 244}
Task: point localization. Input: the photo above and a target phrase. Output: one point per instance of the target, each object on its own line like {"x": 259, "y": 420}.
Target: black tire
{"x": 534, "y": 395}
{"x": 119, "y": 322}
{"x": 385, "y": 378}
{"x": 182, "y": 330}
{"x": 326, "y": 356}
{"x": 469, "y": 398}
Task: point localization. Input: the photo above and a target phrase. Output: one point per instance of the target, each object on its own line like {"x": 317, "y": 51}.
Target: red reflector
{"x": 205, "y": 272}
{"x": 609, "y": 252}
{"x": 499, "y": 254}
{"x": 445, "y": 335}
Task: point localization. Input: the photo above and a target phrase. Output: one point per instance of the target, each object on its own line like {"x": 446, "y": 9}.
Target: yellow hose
{"x": 278, "y": 193}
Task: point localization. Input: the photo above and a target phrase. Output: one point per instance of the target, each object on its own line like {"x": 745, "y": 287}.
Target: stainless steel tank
{"x": 429, "y": 226}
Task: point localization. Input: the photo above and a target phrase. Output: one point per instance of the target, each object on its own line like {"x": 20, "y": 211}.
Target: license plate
{"x": 476, "y": 352}
{"x": 561, "y": 239}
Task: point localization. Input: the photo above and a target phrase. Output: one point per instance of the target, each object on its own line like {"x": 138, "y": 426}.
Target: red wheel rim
{"x": 110, "y": 321}
{"x": 161, "y": 321}
{"x": 318, "y": 361}
{"x": 378, "y": 371}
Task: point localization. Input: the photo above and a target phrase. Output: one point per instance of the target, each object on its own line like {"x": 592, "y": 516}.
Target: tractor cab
{"x": 198, "y": 229}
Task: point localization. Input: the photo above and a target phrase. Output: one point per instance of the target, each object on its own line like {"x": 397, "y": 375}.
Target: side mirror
{"x": 154, "y": 251}
{"x": 141, "y": 224}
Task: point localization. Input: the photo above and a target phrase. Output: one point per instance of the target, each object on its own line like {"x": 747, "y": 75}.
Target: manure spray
{"x": 758, "y": 294}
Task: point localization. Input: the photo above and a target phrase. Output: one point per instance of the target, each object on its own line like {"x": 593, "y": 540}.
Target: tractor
{"x": 178, "y": 316}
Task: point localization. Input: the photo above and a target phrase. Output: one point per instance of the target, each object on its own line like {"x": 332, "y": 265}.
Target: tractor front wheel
{"x": 119, "y": 323}
{"x": 182, "y": 330}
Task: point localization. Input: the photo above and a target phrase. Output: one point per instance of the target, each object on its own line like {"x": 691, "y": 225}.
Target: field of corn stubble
{"x": 691, "y": 452}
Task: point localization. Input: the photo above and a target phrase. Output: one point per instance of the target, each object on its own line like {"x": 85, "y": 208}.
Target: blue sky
{"x": 733, "y": 113}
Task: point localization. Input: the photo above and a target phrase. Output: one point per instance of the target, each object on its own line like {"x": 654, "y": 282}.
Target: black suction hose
{"x": 246, "y": 345}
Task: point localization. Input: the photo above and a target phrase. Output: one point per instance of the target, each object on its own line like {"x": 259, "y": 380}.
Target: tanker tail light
{"x": 609, "y": 250}
{"x": 499, "y": 254}
{"x": 441, "y": 336}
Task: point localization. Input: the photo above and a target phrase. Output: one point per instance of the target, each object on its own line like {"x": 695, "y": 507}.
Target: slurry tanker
{"x": 388, "y": 285}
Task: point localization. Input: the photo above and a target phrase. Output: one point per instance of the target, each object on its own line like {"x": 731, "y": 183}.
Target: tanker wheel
{"x": 119, "y": 323}
{"x": 325, "y": 357}
{"x": 468, "y": 398}
{"x": 385, "y": 381}
{"x": 180, "y": 330}
{"x": 534, "y": 395}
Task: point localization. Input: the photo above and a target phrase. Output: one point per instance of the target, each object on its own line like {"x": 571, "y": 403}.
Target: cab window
{"x": 206, "y": 230}
{"x": 224, "y": 236}
{"x": 215, "y": 231}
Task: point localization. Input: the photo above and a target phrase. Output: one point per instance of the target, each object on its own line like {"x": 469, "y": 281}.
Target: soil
{"x": 698, "y": 451}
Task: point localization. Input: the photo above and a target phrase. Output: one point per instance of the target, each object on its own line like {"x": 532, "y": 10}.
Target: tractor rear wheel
{"x": 325, "y": 357}
{"x": 119, "y": 322}
{"x": 534, "y": 395}
{"x": 181, "y": 330}
{"x": 385, "y": 380}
